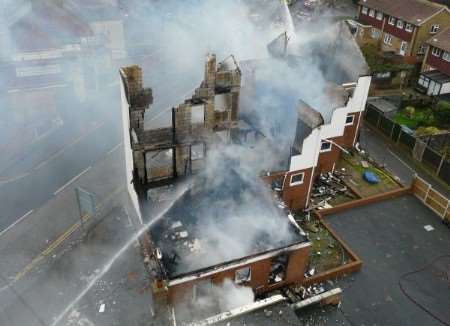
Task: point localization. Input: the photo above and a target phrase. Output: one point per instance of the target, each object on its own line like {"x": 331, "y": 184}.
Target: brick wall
{"x": 437, "y": 62}
{"x": 296, "y": 197}
{"x": 260, "y": 271}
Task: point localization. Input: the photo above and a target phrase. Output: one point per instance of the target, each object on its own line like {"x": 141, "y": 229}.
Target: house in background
{"x": 435, "y": 73}
{"x": 401, "y": 27}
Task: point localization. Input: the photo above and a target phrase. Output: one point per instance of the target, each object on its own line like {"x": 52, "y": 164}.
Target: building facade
{"x": 401, "y": 27}
{"x": 435, "y": 73}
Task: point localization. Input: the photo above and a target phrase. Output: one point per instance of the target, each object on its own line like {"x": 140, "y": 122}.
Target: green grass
{"x": 421, "y": 117}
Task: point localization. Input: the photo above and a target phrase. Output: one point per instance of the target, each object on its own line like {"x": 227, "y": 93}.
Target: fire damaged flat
{"x": 242, "y": 166}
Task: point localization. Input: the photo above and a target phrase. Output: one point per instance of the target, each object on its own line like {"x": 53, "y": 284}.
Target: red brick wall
{"x": 370, "y": 20}
{"x": 328, "y": 159}
{"x": 397, "y": 32}
{"x": 438, "y": 63}
{"x": 295, "y": 197}
{"x": 260, "y": 271}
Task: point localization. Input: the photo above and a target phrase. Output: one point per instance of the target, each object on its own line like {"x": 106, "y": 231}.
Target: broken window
{"x": 278, "y": 269}
{"x": 243, "y": 275}
{"x": 198, "y": 114}
{"x": 159, "y": 164}
{"x": 201, "y": 289}
{"x": 297, "y": 179}
{"x": 325, "y": 146}
{"x": 197, "y": 151}
{"x": 349, "y": 119}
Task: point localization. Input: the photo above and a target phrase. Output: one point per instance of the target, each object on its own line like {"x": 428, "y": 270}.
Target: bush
{"x": 442, "y": 112}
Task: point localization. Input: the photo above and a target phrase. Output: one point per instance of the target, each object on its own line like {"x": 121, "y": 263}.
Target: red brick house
{"x": 435, "y": 73}
{"x": 401, "y": 27}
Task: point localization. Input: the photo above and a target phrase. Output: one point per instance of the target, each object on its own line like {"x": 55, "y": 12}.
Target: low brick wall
{"x": 366, "y": 201}
{"x": 355, "y": 263}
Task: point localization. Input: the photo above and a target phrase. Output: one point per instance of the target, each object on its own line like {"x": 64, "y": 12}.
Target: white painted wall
{"x": 311, "y": 144}
{"x": 445, "y": 88}
{"x": 128, "y": 151}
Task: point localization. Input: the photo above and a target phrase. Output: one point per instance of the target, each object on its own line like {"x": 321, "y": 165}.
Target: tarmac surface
{"x": 396, "y": 249}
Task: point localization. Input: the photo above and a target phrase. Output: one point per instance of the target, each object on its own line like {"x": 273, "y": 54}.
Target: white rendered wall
{"x": 311, "y": 144}
{"x": 129, "y": 165}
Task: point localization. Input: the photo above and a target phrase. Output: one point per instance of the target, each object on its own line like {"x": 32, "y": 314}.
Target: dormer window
{"x": 434, "y": 29}
{"x": 372, "y": 13}
{"x": 365, "y": 10}
{"x": 436, "y": 52}
{"x": 379, "y": 16}
{"x": 400, "y": 24}
{"x": 409, "y": 27}
{"x": 391, "y": 21}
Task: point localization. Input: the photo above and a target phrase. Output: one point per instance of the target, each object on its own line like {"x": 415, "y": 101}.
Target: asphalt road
{"x": 45, "y": 293}
{"x": 17, "y": 198}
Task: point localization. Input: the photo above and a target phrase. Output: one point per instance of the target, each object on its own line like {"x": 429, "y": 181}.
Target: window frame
{"x": 379, "y": 15}
{"x": 247, "y": 279}
{"x": 352, "y": 116}
{"x": 364, "y": 10}
{"x": 327, "y": 149}
{"x": 392, "y": 20}
{"x": 436, "y": 52}
{"x": 400, "y": 24}
{"x": 422, "y": 49}
{"x": 372, "y": 13}
{"x": 435, "y": 28}
{"x": 446, "y": 56}
{"x": 296, "y": 183}
{"x": 409, "y": 27}
{"x": 387, "y": 37}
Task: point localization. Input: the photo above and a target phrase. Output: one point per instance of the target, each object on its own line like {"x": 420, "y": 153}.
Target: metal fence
{"x": 419, "y": 150}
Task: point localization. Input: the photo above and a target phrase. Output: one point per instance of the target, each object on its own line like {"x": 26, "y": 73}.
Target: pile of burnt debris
{"x": 330, "y": 189}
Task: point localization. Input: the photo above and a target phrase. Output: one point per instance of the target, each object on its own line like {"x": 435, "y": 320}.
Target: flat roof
{"x": 438, "y": 76}
{"x": 391, "y": 239}
{"x": 382, "y": 104}
{"x": 215, "y": 224}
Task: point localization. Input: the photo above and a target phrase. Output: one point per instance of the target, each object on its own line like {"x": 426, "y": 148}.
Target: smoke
{"x": 170, "y": 40}
{"x": 214, "y": 299}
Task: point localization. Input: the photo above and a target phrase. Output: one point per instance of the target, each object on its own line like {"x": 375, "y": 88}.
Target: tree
{"x": 442, "y": 112}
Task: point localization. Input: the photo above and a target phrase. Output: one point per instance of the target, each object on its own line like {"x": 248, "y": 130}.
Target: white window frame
{"x": 372, "y": 13}
{"x": 436, "y": 52}
{"x": 379, "y": 15}
{"x": 387, "y": 39}
{"x": 400, "y": 24}
{"x": 364, "y": 10}
{"x": 422, "y": 49}
{"x": 391, "y": 21}
{"x": 446, "y": 56}
{"x": 350, "y": 116}
{"x": 435, "y": 28}
{"x": 297, "y": 182}
{"x": 242, "y": 280}
{"x": 327, "y": 149}
{"x": 409, "y": 27}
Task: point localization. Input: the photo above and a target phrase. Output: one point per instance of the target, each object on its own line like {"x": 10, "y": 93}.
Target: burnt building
{"x": 194, "y": 248}
{"x": 176, "y": 140}
{"x": 226, "y": 223}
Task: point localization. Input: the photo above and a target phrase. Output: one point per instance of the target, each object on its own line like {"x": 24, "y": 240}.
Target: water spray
{"x": 109, "y": 264}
